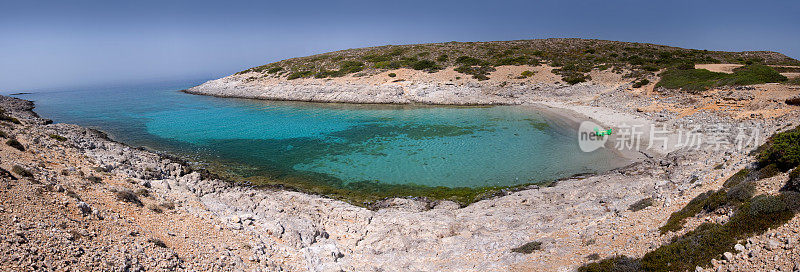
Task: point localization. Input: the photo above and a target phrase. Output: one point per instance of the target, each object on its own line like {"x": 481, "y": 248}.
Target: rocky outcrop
{"x": 285, "y": 230}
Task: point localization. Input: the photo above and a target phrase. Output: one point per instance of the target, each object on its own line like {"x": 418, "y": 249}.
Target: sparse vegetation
{"x": 4, "y": 117}
{"x": 752, "y": 216}
{"x": 94, "y": 179}
{"x": 157, "y": 242}
{"x": 573, "y": 57}
{"x": 695, "y": 80}
{"x": 641, "y": 204}
{"x": 58, "y": 137}
{"x": 21, "y": 171}
{"x": 392, "y": 75}
{"x": 15, "y": 144}
{"x": 640, "y": 83}
{"x": 782, "y": 150}
{"x": 126, "y": 195}
{"x": 528, "y": 248}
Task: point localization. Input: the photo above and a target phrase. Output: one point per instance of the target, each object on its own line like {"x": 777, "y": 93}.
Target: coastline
{"x": 295, "y": 231}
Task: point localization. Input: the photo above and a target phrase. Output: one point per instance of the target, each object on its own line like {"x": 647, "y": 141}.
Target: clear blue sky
{"x": 48, "y": 45}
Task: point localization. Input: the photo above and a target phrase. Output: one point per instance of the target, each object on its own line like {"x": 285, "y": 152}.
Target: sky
{"x": 53, "y": 45}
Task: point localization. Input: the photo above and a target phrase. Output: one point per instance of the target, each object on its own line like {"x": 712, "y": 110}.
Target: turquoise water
{"x": 390, "y": 144}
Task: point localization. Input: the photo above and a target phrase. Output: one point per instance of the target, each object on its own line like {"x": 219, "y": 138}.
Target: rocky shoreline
{"x": 190, "y": 221}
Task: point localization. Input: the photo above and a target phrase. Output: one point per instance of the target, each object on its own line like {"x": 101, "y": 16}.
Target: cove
{"x": 359, "y": 153}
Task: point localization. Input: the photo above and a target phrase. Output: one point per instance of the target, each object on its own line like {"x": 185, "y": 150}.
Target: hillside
{"x": 573, "y": 59}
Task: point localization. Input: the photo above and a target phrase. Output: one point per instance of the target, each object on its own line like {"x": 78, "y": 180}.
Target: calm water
{"x": 434, "y": 146}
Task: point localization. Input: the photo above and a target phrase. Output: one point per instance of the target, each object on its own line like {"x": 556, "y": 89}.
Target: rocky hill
{"x": 500, "y": 72}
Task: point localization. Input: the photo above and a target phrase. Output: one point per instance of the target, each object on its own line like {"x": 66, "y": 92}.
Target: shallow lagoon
{"x": 337, "y": 144}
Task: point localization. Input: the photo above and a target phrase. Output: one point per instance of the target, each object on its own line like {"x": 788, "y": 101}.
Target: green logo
{"x": 601, "y": 133}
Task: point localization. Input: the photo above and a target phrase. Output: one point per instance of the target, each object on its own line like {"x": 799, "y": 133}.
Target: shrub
{"x": 528, "y": 248}
{"x": 15, "y": 144}
{"x": 392, "y": 75}
{"x": 424, "y": 65}
{"x": 527, "y": 74}
{"x": 477, "y": 72}
{"x": 736, "y": 178}
{"x": 275, "y": 70}
{"x": 169, "y": 205}
{"x": 794, "y": 101}
{"x": 442, "y": 58}
{"x": 641, "y": 83}
{"x": 126, "y": 195}
{"x": 696, "y": 205}
{"x": 94, "y": 179}
{"x": 3, "y": 134}
{"x": 58, "y": 137}
{"x": 618, "y": 263}
{"x": 300, "y": 74}
{"x": 641, "y": 204}
{"x": 575, "y": 79}
{"x": 154, "y": 208}
{"x": 22, "y": 172}
{"x": 157, "y": 242}
{"x": 782, "y": 150}
{"x": 7, "y": 118}
{"x": 695, "y": 80}
{"x": 468, "y": 61}
{"x": 741, "y": 192}
{"x": 794, "y": 181}
{"x": 142, "y": 192}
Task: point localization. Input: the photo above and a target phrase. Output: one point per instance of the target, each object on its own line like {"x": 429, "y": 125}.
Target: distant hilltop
{"x": 501, "y": 72}
{"x": 575, "y": 58}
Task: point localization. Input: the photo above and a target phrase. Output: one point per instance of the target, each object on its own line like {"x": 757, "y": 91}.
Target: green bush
{"x": 22, "y": 172}
{"x": 641, "y": 83}
{"x": 741, "y": 192}
{"x": 528, "y": 248}
{"x": 477, "y": 72}
{"x": 4, "y": 117}
{"x": 3, "y": 134}
{"x": 736, "y": 178}
{"x": 442, "y": 58}
{"x": 617, "y": 264}
{"x": 300, "y": 74}
{"x": 275, "y": 70}
{"x": 641, "y": 204}
{"x": 392, "y": 75}
{"x": 126, "y": 195}
{"x": 469, "y": 61}
{"x": 425, "y": 65}
{"x": 782, "y": 150}
{"x": 527, "y": 74}
{"x": 694, "y": 80}
{"x": 15, "y": 144}
{"x": 794, "y": 181}
{"x": 58, "y": 137}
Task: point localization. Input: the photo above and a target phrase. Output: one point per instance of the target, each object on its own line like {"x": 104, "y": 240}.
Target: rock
{"x": 84, "y": 208}
{"x": 773, "y": 245}
{"x": 739, "y": 247}
{"x": 727, "y": 256}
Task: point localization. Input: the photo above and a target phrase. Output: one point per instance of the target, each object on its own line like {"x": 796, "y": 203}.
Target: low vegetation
{"x": 641, "y": 204}
{"x": 126, "y": 195}
{"x": 573, "y": 58}
{"x": 21, "y": 171}
{"x": 695, "y": 80}
{"x": 752, "y": 215}
{"x": 58, "y": 137}
{"x": 15, "y": 144}
{"x": 640, "y": 83}
{"x": 528, "y": 248}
